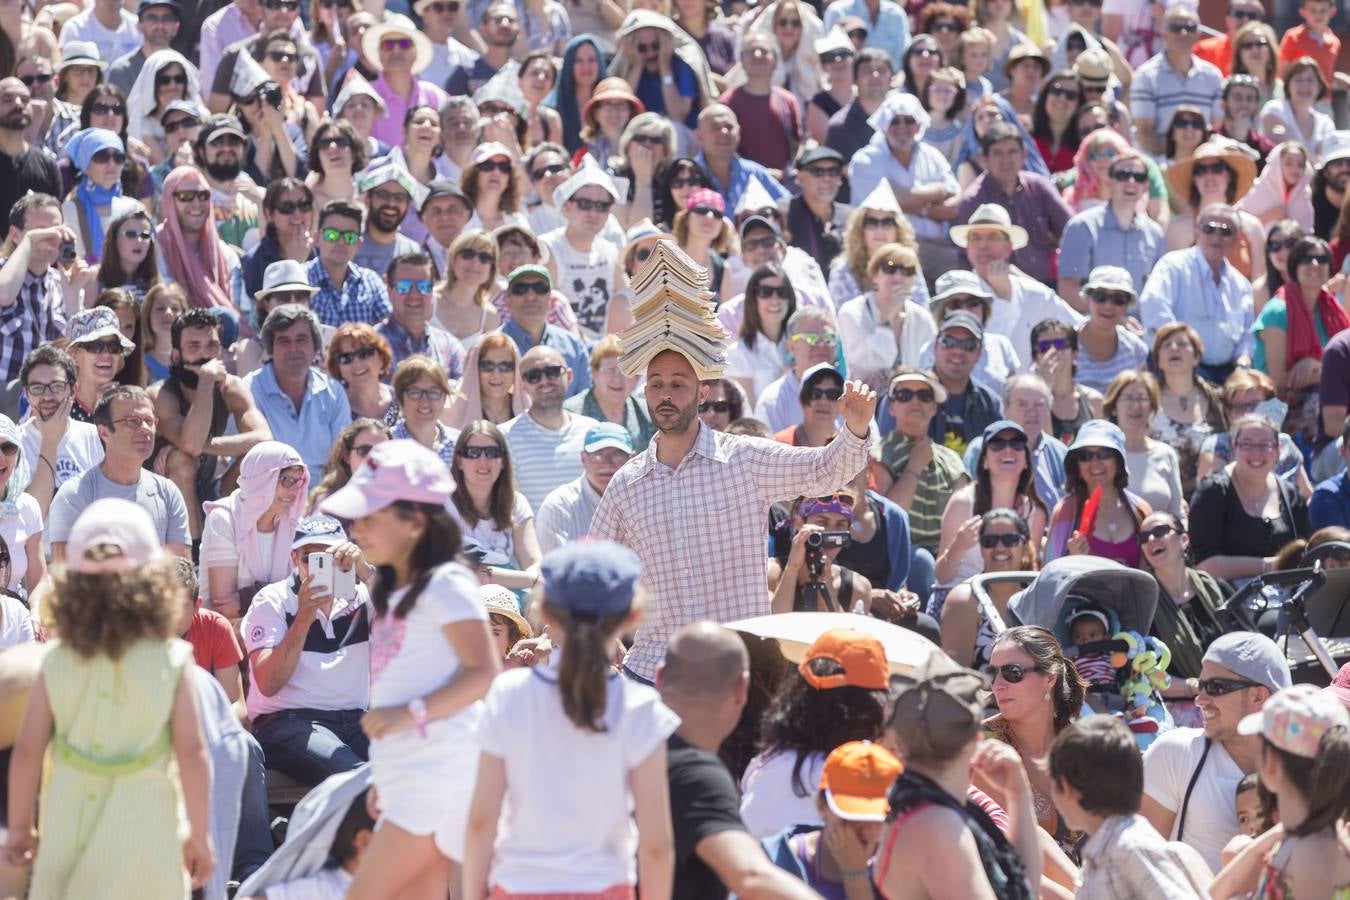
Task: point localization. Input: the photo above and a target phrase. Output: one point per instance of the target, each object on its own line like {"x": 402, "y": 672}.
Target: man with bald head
{"x": 719, "y": 134}
{"x": 693, "y": 504}
{"x": 546, "y": 441}
{"x": 705, "y": 679}
{"x": 23, "y": 167}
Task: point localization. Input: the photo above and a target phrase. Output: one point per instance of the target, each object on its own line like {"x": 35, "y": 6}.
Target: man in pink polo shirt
{"x": 400, "y": 51}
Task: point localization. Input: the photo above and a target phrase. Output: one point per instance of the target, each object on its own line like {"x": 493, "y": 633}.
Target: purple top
{"x": 1125, "y": 552}
{"x": 389, "y": 127}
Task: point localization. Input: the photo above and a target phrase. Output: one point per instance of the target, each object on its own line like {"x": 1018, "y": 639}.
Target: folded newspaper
{"x": 673, "y": 310}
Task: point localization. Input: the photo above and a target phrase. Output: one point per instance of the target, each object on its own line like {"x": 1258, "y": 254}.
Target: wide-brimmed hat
{"x": 1180, "y": 174}
{"x": 954, "y": 283}
{"x": 96, "y": 323}
{"x": 613, "y": 88}
{"x": 1110, "y": 278}
{"x": 502, "y": 602}
{"x": 285, "y": 275}
{"x": 1100, "y": 433}
{"x": 990, "y": 215}
{"x": 399, "y": 26}
{"x": 80, "y": 53}
{"x": 1026, "y": 51}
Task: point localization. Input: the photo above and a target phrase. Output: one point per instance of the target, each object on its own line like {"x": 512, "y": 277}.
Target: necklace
{"x": 1184, "y": 400}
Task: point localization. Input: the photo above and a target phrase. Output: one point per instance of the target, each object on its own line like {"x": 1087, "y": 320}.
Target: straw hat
{"x": 990, "y": 215}
{"x": 1179, "y": 175}
{"x": 613, "y": 88}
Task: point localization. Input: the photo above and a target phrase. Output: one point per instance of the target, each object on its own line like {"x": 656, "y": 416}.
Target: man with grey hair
{"x": 1191, "y": 774}
{"x": 811, "y": 339}
{"x": 304, "y": 407}
{"x": 1199, "y": 286}
{"x": 1026, "y": 401}
{"x": 705, "y": 679}
{"x": 1173, "y": 78}
{"x": 770, "y": 116}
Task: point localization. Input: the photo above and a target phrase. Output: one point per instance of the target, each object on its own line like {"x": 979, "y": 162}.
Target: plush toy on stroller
{"x": 1126, "y": 672}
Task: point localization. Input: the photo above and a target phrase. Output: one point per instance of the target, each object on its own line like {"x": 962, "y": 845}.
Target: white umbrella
{"x": 795, "y": 632}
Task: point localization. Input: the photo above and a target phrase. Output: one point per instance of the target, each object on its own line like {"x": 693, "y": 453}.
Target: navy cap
{"x": 993, "y": 429}
{"x": 818, "y": 153}
{"x": 443, "y": 187}
{"x": 318, "y": 529}
{"x": 151, "y": 4}
{"x": 591, "y": 578}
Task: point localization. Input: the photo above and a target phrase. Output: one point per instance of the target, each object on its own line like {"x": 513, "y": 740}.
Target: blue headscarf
{"x": 970, "y": 143}
{"x": 81, "y": 150}
{"x": 563, "y": 97}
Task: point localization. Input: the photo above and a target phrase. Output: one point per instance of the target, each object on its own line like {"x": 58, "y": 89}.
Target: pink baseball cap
{"x": 1340, "y": 685}
{"x": 393, "y": 471}
{"x": 706, "y": 197}
{"x": 112, "y": 535}
{"x": 1296, "y": 718}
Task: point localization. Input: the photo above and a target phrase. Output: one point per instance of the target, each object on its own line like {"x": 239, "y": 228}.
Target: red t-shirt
{"x": 1297, "y": 42}
{"x": 1217, "y": 50}
{"x": 771, "y": 125}
{"x": 214, "y": 645}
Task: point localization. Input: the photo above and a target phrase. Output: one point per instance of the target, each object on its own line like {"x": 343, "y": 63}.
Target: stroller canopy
{"x": 1131, "y": 594}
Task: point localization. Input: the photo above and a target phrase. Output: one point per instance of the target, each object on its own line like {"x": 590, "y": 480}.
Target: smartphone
{"x": 67, "y": 251}
{"x": 328, "y": 577}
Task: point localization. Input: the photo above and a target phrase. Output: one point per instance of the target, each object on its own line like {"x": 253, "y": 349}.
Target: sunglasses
{"x": 646, "y": 49}
{"x": 283, "y": 56}
{"x": 891, "y": 266}
{"x": 592, "y": 205}
{"x": 363, "y": 449}
{"x": 904, "y": 395}
{"x": 950, "y": 342}
{"x": 990, "y": 541}
{"x": 161, "y": 80}
{"x": 705, "y": 211}
{"x": 288, "y": 207}
{"x": 1183, "y": 27}
{"x": 107, "y": 109}
{"x": 1275, "y": 245}
{"x": 481, "y": 255}
{"x": 926, "y": 52}
{"x": 396, "y": 43}
{"x": 905, "y": 121}
{"x": 1104, "y": 153}
{"x": 96, "y": 347}
{"x": 643, "y": 254}
{"x": 177, "y": 124}
{"x": 1157, "y": 531}
{"x": 40, "y": 78}
{"x": 1068, "y": 93}
{"x": 883, "y": 222}
{"x": 830, "y": 394}
{"x": 1116, "y": 298}
{"x": 282, "y": 4}
{"x": 1222, "y": 228}
{"x": 555, "y": 169}
{"x": 109, "y": 155}
{"x": 651, "y": 140}
{"x": 503, "y": 166}
{"x": 964, "y": 301}
{"x": 1048, "y": 344}
{"x": 824, "y": 171}
{"x": 406, "y": 285}
{"x": 944, "y": 26}
{"x": 189, "y": 196}
{"x": 788, "y": 23}
{"x": 763, "y": 243}
{"x": 335, "y": 142}
{"x": 1245, "y": 15}
{"x": 333, "y": 235}
{"x": 691, "y": 181}
{"x": 1011, "y": 672}
{"x": 835, "y": 56}
{"x": 534, "y": 376}
{"x": 1217, "y": 687}
{"x": 1124, "y": 176}
{"x": 1217, "y": 168}
{"x": 1093, "y": 454}
{"x": 447, "y": 7}
{"x": 136, "y": 234}
{"x": 1086, "y": 2}
{"x": 996, "y": 444}
{"x": 521, "y": 288}
{"x": 765, "y": 291}
{"x": 493, "y": 452}
{"x": 1254, "y": 45}
{"x": 417, "y": 395}
{"x": 1317, "y": 259}
{"x": 813, "y": 339}
{"x": 1190, "y": 122}
{"x": 717, "y": 406}
{"x": 487, "y": 365}
{"x": 351, "y": 356}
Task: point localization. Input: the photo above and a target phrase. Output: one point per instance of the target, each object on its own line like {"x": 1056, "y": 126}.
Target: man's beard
{"x": 17, "y": 121}
{"x": 185, "y": 376}
{"x": 222, "y": 171}
{"x": 683, "y": 419}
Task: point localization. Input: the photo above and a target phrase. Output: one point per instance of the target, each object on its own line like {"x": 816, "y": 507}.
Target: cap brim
{"x": 857, "y": 809}
{"x": 318, "y": 541}
{"x": 101, "y": 333}
{"x": 606, "y": 443}
{"x": 1251, "y": 724}
{"x": 350, "y": 502}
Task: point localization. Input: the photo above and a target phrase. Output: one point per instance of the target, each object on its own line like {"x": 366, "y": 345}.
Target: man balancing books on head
{"x": 693, "y": 505}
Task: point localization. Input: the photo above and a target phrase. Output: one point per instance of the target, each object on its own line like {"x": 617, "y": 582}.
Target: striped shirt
{"x": 34, "y": 317}
{"x": 941, "y": 477}
{"x": 1158, "y": 89}
{"x": 566, "y": 514}
{"x": 699, "y": 528}
{"x": 1131, "y": 353}
{"x": 545, "y": 458}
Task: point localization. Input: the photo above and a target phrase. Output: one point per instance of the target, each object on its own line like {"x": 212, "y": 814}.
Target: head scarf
{"x": 970, "y": 142}
{"x": 468, "y": 406}
{"x": 563, "y": 97}
{"x": 1302, "y": 339}
{"x": 81, "y": 149}
{"x": 19, "y": 475}
{"x": 205, "y": 278}
{"x": 1269, "y": 194}
{"x": 259, "y": 472}
{"x": 141, "y": 106}
{"x": 899, "y": 103}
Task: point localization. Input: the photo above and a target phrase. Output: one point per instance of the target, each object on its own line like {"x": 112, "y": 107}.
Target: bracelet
{"x": 854, "y": 873}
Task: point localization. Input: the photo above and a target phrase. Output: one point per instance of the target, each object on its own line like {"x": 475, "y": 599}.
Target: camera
{"x": 826, "y": 540}
{"x": 271, "y": 92}
{"x": 67, "y": 251}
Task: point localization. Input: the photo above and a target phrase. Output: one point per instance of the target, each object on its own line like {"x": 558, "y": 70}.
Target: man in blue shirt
{"x": 347, "y": 292}
{"x": 1330, "y": 503}
{"x": 409, "y": 328}
{"x": 719, "y": 133}
{"x": 529, "y": 294}
{"x": 887, "y": 23}
{"x": 663, "y": 82}
{"x": 303, "y": 406}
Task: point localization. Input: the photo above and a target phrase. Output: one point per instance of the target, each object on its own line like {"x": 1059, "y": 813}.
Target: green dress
{"x": 112, "y": 820}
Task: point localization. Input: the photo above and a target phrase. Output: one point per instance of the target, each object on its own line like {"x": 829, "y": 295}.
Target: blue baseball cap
{"x": 591, "y": 578}
{"x": 318, "y": 529}
{"x": 607, "y": 434}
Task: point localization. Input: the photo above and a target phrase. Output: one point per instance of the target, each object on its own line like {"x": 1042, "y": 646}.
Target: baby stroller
{"x": 1128, "y": 597}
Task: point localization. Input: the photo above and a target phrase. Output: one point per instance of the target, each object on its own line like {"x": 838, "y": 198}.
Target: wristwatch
{"x": 667, "y": 79}
{"x": 417, "y": 708}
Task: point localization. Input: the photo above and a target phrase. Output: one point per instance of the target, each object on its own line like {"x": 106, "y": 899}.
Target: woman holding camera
{"x": 809, "y": 580}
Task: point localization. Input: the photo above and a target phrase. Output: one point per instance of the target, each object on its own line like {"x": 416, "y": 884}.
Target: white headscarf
{"x": 899, "y": 103}
{"x": 141, "y": 116}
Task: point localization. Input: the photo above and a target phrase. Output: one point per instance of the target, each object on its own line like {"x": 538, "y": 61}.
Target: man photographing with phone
{"x": 308, "y": 645}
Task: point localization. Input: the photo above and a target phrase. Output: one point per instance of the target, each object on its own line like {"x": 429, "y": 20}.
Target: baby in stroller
{"x": 1089, "y": 626}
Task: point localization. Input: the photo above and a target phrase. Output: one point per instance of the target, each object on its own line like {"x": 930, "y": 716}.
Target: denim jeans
{"x": 922, "y": 574}
{"x": 254, "y": 842}
{"x": 311, "y": 744}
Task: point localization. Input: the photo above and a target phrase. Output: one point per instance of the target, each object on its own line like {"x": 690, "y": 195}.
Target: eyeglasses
{"x": 40, "y": 78}
{"x": 396, "y": 43}
{"x": 717, "y": 406}
{"x": 333, "y": 142}
{"x": 136, "y": 234}
{"x": 417, "y": 395}
{"x": 765, "y": 291}
{"x": 534, "y": 376}
{"x": 487, "y": 365}
{"x": 50, "y": 389}
{"x": 1191, "y": 122}
{"x": 1007, "y": 443}
{"x": 1316, "y": 259}
{"x": 146, "y": 422}
{"x": 282, "y": 56}
{"x": 482, "y": 256}
{"x": 399, "y": 197}
{"x": 904, "y": 395}
{"x": 107, "y": 109}
{"x": 177, "y": 124}
{"x": 1217, "y": 168}
{"x": 503, "y": 166}
{"x": 990, "y": 541}
{"x": 788, "y": 23}
{"x": 108, "y": 346}
{"x": 1045, "y": 345}
{"x": 691, "y": 181}
{"x": 333, "y": 235}
{"x": 362, "y": 449}
{"x": 282, "y": 4}
{"x": 351, "y": 356}
{"x": 592, "y": 205}
{"x": 1094, "y": 454}
{"x": 1183, "y": 27}
{"x": 815, "y": 339}
{"x": 1222, "y": 228}
{"x": 1157, "y": 532}
{"x": 1123, "y": 175}
{"x": 162, "y": 80}
{"x": 882, "y": 222}
{"x": 521, "y": 288}
{"x": 1246, "y": 15}
{"x": 891, "y": 266}
{"x": 1059, "y": 90}
{"x": 1257, "y": 446}
{"x": 189, "y": 196}
{"x": 1217, "y": 687}
{"x": 646, "y": 49}
{"x": 407, "y": 285}
{"x": 452, "y": 6}
{"x": 546, "y": 171}
{"x": 290, "y": 481}
{"x": 1115, "y": 298}
{"x": 288, "y": 207}
{"x": 763, "y": 243}
{"x": 830, "y": 394}
{"x": 493, "y": 452}
{"x": 951, "y": 342}
{"x": 1011, "y": 672}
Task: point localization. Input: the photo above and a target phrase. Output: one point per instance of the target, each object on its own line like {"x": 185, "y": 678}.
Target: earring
{"x": 1047, "y": 695}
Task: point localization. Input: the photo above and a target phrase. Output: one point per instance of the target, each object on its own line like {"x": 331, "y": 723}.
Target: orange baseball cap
{"x": 856, "y": 778}
{"x": 861, "y": 656}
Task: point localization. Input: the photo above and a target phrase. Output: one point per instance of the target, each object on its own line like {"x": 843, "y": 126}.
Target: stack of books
{"x": 673, "y": 310}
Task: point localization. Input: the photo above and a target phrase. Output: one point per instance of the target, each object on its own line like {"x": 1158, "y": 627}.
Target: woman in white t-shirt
{"x": 759, "y": 358}
{"x": 22, "y": 562}
{"x": 583, "y": 718}
{"x": 431, "y": 660}
{"x": 488, "y": 507}
{"x": 246, "y": 537}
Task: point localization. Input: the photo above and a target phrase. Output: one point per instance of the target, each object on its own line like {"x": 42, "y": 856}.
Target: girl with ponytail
{"x": 603, "y": 734}
{"x": 431, "y": 660}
